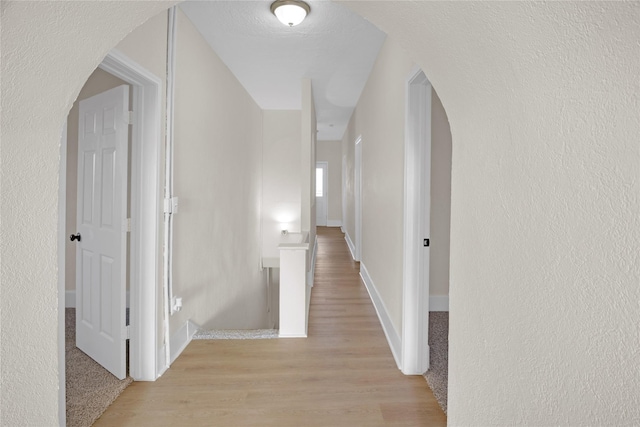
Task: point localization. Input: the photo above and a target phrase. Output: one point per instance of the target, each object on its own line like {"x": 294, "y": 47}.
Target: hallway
{"x": 343, "y": 374}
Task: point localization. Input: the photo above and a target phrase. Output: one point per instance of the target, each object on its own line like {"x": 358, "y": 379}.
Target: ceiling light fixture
{"x": 290, "y": 12}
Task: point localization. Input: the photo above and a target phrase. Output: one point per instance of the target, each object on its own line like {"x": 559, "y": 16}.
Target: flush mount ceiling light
{"x": 290, "y": 12}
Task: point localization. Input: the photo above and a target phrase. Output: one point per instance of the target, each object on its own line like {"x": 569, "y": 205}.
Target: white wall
{"x": 308, "y": 163}
{"x": 218, "y": 174}
{"x": 380, "y": 118}
{"x": 545, "y": 231}
{"x": 542, "y": 100}
{"x": 440, "y": 221}
{"x": 218, "y": 134}
{"x": 331, "y": 152}
{"x": 282, "y": 191}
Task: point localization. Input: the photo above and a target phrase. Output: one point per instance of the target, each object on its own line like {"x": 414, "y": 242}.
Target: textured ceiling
{"x": 333, "y": 47}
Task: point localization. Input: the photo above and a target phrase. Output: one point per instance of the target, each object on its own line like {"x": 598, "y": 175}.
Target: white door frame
{"x": 145, "y": 213}
{"x": 144, "y": 350}
{"x": 325, "y": 188}
{"x": 415, "y": 301}
{"x": 358, "y": 197}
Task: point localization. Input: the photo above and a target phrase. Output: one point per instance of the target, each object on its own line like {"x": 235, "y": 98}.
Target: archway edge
{"x": 48, "y": 51}
{"x": 540, "y": 99}
{"x": 542, "y": 152}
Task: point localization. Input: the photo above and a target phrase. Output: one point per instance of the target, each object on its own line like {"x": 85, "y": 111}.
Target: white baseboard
{"x": 307, "y": 305}
{"x": 352, "y": 247}
{"x": 387, "y": 326}
{"x": 439, "y": 303}
{"x": 181, "y": 339}
{"x": 161, "y": 362}
{"x": 334, "y": 223}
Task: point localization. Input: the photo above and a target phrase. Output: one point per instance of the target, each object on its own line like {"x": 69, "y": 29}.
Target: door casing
{"x": 417, "y": 200}
{"x": 146, "y": 210}
{"x": 145, "y": 353}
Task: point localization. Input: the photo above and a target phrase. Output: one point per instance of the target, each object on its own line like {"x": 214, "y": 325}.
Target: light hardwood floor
{"x": 343, "y": 374}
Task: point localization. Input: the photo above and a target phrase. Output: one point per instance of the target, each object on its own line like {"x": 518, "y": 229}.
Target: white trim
{"x": 181, "y": 339}
{"x": 357, "y": 171}
{"x": 415, "y": 289}
{"x": 350, "y": 245}
{"x": 62, "y": 240}
{"x": 167, "y": 243}
{"x": 334, "y": 223}
{"x": 160, "y": 360}
{"x": 312, "y": 267}
{"x": 281, "y": 335}
{"x": 383, "y": 315}
{"x": 439, "y": 303}
{"x": 145, "y": 208}
{"x": 307, "y": 306}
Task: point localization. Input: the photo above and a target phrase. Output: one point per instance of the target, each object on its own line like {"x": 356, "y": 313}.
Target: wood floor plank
{"x": 343, "y": 374}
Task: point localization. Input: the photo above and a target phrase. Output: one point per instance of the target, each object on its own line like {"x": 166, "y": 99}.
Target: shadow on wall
{"x": 235, "y": 313}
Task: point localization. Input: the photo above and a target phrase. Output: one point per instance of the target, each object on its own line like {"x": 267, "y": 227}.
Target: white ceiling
{"x": 333, "y": 47}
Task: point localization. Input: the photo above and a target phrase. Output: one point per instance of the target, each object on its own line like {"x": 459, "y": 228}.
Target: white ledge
{"x": 294, "y": 241}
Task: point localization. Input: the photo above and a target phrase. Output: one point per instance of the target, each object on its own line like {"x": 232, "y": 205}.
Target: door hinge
{"x": 129, "y": 117}
{"x": 171, "y": 205}
{"x": 425, "y": 243}
{"x": 126, "y": 225}
{"x": 128, "y": 331}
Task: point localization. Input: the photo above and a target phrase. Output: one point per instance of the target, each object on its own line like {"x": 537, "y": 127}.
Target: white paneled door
{"x": 102, "y": 227}
{"x": 321, "y": 193}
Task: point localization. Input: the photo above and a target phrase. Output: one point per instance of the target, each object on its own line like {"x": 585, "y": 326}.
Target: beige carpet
{"x": 90, "y": 387}
{"x": 438, "y": 374}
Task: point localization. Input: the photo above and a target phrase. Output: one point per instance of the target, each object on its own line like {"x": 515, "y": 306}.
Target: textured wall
{"x": 545, "y": 228}
{"x": 42, "y": 43}
{"x": 542, "y": 100}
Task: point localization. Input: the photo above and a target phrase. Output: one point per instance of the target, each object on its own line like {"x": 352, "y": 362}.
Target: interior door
{"x": 102, "y": 227}
{"x": 321, "y": 193}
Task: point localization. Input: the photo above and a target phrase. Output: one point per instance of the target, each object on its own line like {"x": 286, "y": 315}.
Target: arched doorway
{"x": 505, "y": 127}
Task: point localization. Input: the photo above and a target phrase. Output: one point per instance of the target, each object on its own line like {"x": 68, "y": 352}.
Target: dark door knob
{"x": 75, "y": 237}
